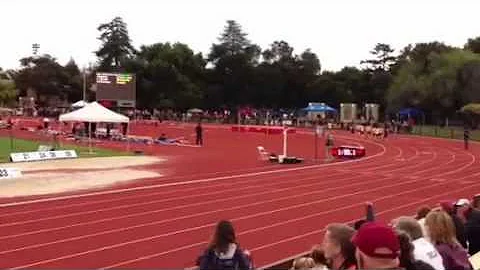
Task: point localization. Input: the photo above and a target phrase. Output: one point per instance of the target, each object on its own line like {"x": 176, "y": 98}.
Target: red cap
{"x": 447, "y": 206}
{"x": 377, "y": 241}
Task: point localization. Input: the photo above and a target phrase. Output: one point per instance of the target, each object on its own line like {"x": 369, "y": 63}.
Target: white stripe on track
{"x": 253, "y": 216}
{"x": 166, "y": 209}
{"x": 290, "y": 238}
{"x": 190, "y": 182}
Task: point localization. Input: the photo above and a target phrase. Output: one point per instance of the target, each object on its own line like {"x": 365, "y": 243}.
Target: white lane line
{"x": 350, "y": 221}
{"x": 83, "y": 236}
{"x": 405, "y": 205}
{"x": 416, "y": 189}
{"x": 138, "y": 196}
{"x": 183, "y": 206}
{"x": 416, "y": 154}
{"x": 452, "y": 160}
{"x": 404, "y": 165}
{"x": 204, "y": 226}
{"x": 196, "y": 189}
{"x": 287, "y": 239}
{"x": 419, "y": 164}
{"x": 242, "y": 218}
{"x": 183, "y": 183}
{"x": 452, "y": 172}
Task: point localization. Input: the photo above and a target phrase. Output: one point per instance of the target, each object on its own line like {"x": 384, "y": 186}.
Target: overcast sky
{"x": 341, "y": 32}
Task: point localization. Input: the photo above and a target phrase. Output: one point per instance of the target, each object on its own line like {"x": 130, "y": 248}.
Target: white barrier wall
{"x": 372, "y": 112}
{"x": 348, "y": 112}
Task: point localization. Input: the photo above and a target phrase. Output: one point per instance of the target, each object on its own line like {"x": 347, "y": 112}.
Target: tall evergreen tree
{"x": 116, "y": 46}
{"x": 233, "y": 58}
{"x": 383, "y": 58}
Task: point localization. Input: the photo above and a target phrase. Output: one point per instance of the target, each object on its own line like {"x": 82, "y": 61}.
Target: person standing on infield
{"x": 329, "y": 144}
{"x": 466, "y": 136}
{"x": 199, "y": 132}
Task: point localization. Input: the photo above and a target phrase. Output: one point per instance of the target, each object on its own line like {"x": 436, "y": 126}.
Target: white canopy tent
{"x": 79, "y": 104}
{"x": 93, "y": 113}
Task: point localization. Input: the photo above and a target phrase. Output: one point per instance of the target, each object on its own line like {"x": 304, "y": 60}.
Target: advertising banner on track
{"x": 8, "y": 173}
{"x": 42, "y": 155}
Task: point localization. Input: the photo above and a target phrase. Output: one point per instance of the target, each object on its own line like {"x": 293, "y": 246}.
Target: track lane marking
{"x": 190, "y": 182}
{"x": 245, "y": 217}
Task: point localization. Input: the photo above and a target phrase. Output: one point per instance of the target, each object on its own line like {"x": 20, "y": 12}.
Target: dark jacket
{"x": 460, "y": 230}
{"x": 472, "y": 231}
{"x": 234, "y": 259}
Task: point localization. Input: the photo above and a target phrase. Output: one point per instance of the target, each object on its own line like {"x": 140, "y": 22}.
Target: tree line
{"x": 434, "y": 76}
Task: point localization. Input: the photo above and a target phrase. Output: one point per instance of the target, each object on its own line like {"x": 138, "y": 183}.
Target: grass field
{"x": 19, "y": 145}
{"x": 445, "y": 132}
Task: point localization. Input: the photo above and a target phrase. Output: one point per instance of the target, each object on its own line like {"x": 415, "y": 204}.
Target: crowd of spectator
{"x": 244, "y": 115}
{"x": 441, "y": 238}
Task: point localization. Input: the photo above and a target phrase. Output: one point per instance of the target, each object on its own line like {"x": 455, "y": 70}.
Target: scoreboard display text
{"x": 116, "y": 89}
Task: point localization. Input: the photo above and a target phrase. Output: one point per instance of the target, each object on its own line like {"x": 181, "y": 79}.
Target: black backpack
{"x": 238, "y": 262}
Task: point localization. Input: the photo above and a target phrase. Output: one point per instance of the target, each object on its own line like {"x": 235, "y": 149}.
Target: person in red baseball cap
{"x": 377, "y": 247}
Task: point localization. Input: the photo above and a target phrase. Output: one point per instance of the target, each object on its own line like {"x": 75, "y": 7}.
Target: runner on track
{"x": 199, "y": 133}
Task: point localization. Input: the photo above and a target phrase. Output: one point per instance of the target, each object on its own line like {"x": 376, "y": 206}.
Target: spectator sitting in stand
{"x": 421, "y": 214}
{"x": 422, "y": 249}
{"x": 338, "y": 247}
{"x": 450, "y": 209}
{"x": 377, "y": 247}
{"x": 441, "y": 230}
{"x": 359, "y": 223}
{"x": 369, "y": 216}
{"x": 472, "y": 227}
{"x": 461, "y": 207}
{"x": 318, "y": 256}
{"x": 407, "y": 259}
{"x": 224, "y": 253}
{"x": 476, "y": 202}
{"x": 303, "y": 263}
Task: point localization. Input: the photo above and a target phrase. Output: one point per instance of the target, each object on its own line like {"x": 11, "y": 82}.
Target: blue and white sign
{"x": 42, "y": 155}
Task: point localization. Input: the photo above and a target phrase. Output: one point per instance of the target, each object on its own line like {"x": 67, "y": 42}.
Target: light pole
{"x": 35, "y": 47}
{"x": 84, "y": 85}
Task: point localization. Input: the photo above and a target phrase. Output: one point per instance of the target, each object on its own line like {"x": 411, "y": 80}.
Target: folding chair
{"x": 263, "y": 155}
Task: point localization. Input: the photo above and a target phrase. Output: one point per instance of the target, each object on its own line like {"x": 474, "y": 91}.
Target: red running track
{"x": 279, "y": 211}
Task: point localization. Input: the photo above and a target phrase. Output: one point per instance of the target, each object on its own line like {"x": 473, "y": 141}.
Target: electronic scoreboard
{"x": 116, "y": 89}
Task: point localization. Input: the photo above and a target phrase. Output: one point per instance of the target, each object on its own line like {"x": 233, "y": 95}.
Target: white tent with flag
{"x": 93, "y": 113}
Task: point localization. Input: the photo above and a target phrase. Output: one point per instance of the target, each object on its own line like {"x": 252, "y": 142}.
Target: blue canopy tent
{"x": 315, "y": 111}
{"x": 410, "y": 112}
{"x": 319, "y": 108}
